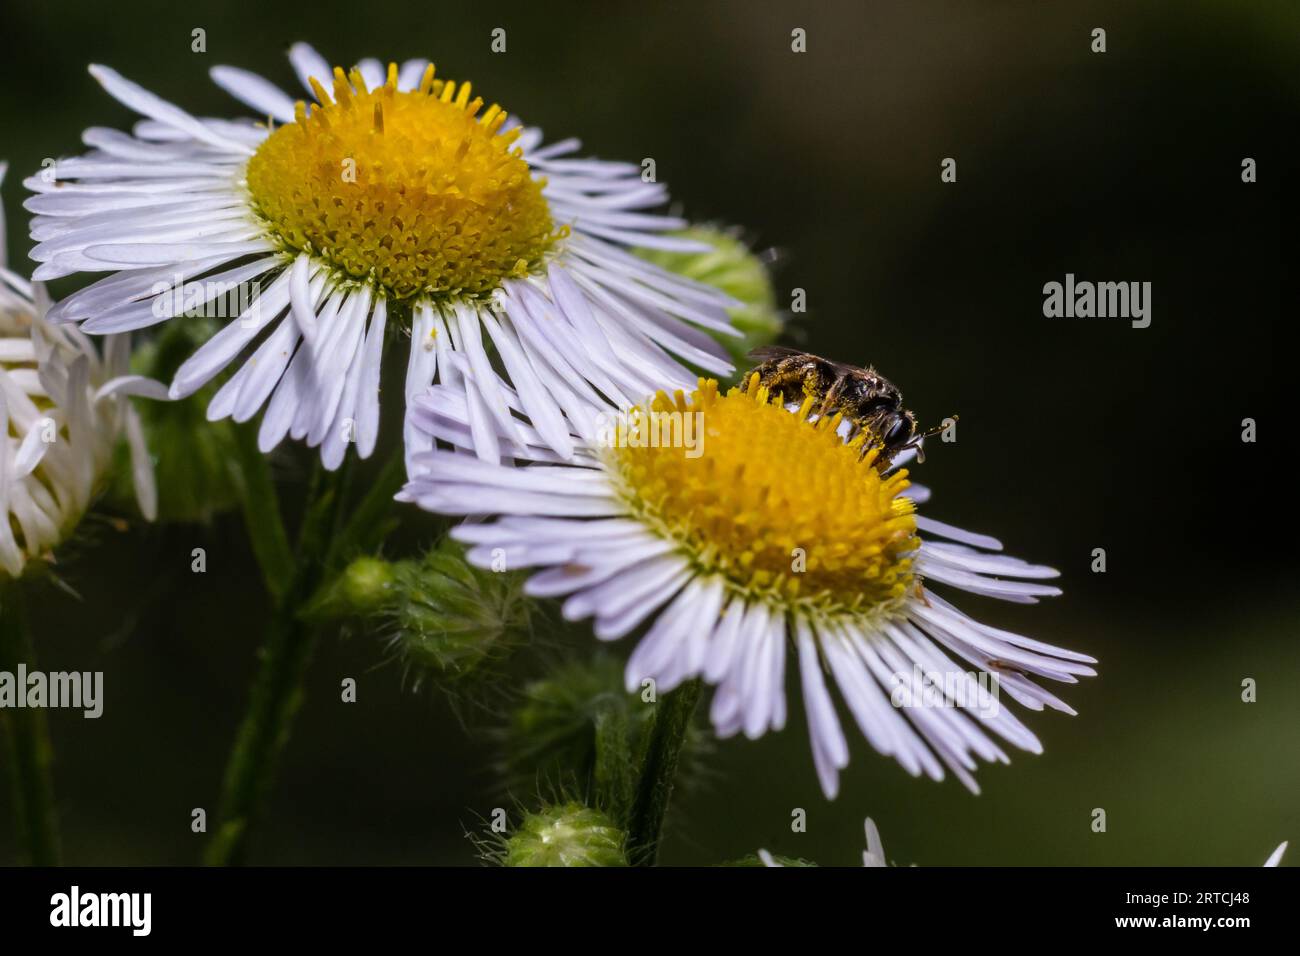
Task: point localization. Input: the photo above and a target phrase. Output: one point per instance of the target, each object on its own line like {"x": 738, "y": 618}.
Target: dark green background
{"x": 1074, "y": 434}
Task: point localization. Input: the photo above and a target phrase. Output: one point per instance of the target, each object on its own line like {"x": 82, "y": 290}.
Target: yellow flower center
{"x": 413, "y": 192}
{"x": 777, "y": 503}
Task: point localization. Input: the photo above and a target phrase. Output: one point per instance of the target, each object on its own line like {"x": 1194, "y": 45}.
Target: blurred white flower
{"x": 63, "y": 407}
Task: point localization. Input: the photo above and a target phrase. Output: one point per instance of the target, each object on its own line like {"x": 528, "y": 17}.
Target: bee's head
{"x": 901, "y": 433}
{"x": 896, "y": 430}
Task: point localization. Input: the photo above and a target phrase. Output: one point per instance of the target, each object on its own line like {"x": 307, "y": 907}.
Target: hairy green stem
{"x": 277, "y": 690}
{"x": 612, "y": 777}
{"x": 329, "y": 536}
{"x": 32, "y": 755}
{"x": 663, "y": 749}
{"x": 367, "y": 523}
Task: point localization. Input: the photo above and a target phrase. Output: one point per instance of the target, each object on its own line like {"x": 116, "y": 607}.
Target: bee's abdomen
{"x": 795, "y": 376}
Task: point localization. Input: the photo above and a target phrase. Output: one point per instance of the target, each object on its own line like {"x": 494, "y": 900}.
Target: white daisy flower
{"x": 1275, "y": 858}
{"x": 63, "y": 408}
{"x": 780, "y": 535}
{"x": 873, "y": 855}
{"x": 394, "y": 197}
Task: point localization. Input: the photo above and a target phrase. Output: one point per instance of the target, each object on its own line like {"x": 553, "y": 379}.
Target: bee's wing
{"x": 846, "y": 368}
{"x": 765, "y": 353}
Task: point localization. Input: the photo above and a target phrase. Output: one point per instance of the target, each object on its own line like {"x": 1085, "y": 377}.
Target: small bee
{"x": 865, "y": 397}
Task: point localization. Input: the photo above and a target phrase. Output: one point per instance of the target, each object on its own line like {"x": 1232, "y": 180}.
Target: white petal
{"x": 372, "y": 358}
{"x": 142, "y": 101}
{"x": 251, "y": 89}
{"x": 307, "y": 63}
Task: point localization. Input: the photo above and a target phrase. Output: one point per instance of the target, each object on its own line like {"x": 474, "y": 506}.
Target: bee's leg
{"x": 830, "y": 392}
{"x": 883, "y": 460}
{"x": 775, "y": 378}
{"x": 788, "y": 380}
{"x": 764, "y": 373}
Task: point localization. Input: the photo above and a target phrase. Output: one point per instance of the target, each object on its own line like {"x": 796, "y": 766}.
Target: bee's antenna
{"x": 917, "y": 439}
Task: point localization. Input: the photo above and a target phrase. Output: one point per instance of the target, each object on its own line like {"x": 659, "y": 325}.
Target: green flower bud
{"x": 565, "y": 835}
{"x": 552, "y": 730}
{"x": 443, "y": 618}
{"x": 579, "y": 730}
{"x": 365, "y": 587}
{"x": 448, "y": 618}
{"x": 731, "y": 267}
